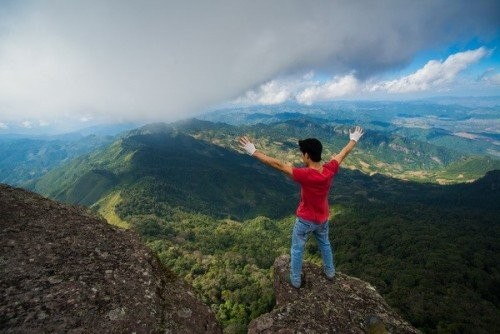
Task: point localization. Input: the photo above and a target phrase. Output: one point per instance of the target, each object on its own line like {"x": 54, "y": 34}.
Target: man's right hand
{"x": 247, "y": 145}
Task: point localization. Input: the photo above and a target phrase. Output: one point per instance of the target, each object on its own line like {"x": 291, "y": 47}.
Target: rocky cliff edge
{"x": 344, "y": 305}
{"x": 63, "y": 269}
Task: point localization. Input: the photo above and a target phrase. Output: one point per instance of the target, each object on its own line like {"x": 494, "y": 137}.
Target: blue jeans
{"x": 300, "y": 234}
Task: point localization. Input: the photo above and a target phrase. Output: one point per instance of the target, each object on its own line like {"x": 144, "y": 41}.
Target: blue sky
{"x": 107, "y": 61}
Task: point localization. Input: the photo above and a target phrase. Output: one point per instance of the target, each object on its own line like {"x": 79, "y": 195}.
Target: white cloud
{"x": 85, "y": 119}
{"x": 495, "y": 79}
{"x": 335, "y": 88}
{"x": 276, "y": 91}
{"x": 3, "y": 126}
{"x": 269, "y": 93}
{"x": 306, "y": 90}
{"x": 492, "y": 79}
{"x": 27, "y": 124}
{"x": 434, "y": 74}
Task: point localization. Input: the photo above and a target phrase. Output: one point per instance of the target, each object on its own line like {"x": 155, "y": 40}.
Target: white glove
{"x": 247, "y": 145}
{"x": 356, "y": 134}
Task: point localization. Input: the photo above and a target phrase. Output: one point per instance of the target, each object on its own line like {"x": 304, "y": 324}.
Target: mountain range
{"x": 417, "y": 219}
{"x": 464, "y": 125}
{"x": 195, "y": 165}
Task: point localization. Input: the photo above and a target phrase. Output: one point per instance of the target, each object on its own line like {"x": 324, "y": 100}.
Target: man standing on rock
{"x": 315, "y": 180}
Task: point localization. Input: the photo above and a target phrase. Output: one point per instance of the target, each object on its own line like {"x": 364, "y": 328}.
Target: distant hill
{"x": 64, "y": 131}
{"x": 23, "y": 160}
{"x": 27, "y": 155}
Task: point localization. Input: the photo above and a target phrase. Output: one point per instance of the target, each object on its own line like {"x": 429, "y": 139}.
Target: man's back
{"x": 315, "y": 186}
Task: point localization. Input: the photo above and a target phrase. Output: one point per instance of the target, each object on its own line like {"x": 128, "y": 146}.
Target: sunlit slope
{"x": 87, "y": 178}
{"x": 378, "y": 152}
{"x": 107, "y": 208}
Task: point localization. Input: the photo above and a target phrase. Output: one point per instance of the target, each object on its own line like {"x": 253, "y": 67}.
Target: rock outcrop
{"x": 63, "y": 269}
{"x": 344, "y": 305}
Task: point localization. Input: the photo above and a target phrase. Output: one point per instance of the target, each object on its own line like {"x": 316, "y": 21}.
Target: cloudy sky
{"x": 104, "y": 60}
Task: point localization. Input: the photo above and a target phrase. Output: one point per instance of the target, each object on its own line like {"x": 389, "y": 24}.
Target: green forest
{"x": 219, "y": 218}
{"x": 438, "y": 267}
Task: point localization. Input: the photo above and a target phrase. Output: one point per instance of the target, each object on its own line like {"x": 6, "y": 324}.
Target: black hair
{"x": 311, "y": 146}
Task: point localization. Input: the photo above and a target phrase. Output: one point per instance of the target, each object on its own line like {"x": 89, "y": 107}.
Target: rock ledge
{"x": 344, "y": 305}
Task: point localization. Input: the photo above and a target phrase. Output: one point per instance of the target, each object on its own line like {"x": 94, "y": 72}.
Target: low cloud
{"x": 276, "y": 91}
{"x": 494, "y": 79}
{"x": 335, "y": 88}
{"x": 273, "y": 92}
{"x": 490, "y": 77}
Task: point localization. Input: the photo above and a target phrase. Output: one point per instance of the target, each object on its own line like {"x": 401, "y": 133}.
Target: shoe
{"x": 302, "y": 280}
{"x": 291, "y": 284}
{"x": 330, "y": 278}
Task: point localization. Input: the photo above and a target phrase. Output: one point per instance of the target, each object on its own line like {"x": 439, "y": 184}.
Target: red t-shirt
{"x": 314, "y": 189}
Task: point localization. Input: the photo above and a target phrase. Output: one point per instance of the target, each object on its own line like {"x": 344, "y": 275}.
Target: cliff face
{"x": 344, "y": 305}
{"x": 62, "y": 269}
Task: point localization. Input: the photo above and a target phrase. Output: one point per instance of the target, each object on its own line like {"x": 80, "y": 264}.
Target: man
{"x": 313, "y": 211}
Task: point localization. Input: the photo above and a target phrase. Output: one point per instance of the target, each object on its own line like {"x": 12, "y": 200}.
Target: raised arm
{"x": 353, "y": 140}
{"x": 250, "y": 149}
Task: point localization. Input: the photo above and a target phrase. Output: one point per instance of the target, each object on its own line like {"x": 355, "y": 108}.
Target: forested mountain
{"x": 220, "y": 218}
{"x": 160, "y": 166}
